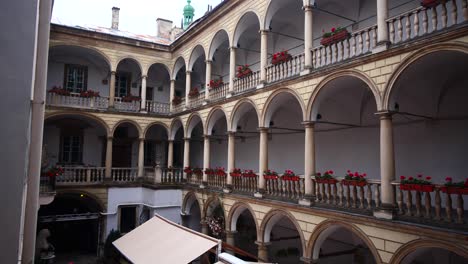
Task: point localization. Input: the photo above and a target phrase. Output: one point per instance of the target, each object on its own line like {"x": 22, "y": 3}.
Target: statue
{"x": 44, "y": 250}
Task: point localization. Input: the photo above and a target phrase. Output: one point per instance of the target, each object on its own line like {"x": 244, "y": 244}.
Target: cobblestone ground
{"x": 76, "y": 259}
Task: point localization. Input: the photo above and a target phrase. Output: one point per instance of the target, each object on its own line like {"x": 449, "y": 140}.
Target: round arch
{"x": 82, "y": 114}
{"x": 326, "y": 228}
{"x": 208, "y": 206}
{"x": 101, "y": 53}
{"x": 272, "y": 100}
{"x": 192, "y": 123}
{"x": 410, "y": 247}
{"x": 240, "y": 108}
{"x": 130, "y": 58}
{"x": 100, "y": 204}
{"x": 236, "y": 210}
{"x": 196, "y": 52}
{"x": 269, "y": 221}
{"x": 189, "y": 200}
{"x": 137, "y": 126}
{"x": 156, "y": 123}
{"x": 178, "y": 65}
{"x": 273, "y": 7}
{"x": 312, "y": 105}
{"x": 175, "y": 125}
{"x": 409, "y": 60}
{"x": 217, "y": 40}
{"x": 214, "y": 116}
{"x": 158, "y": 63}
{"x": 252, "y": 17}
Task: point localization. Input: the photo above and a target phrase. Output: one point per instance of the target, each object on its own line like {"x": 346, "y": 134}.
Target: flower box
{"x": 243, "y": 71}
{"x": 326, "y": 181}
{"x": 432, "y": 3}
{"x": 59, "y": 91}
{"x": 280, "y": 57}
{"x": 89, "y": 94}
{"x": 235, "y": 174}
{"x": 193, "y": 92}
{"x": 249, "y": 174}
{"x": 130, "y": 98}
{"x": 455, "y": 190}
{"x": 354, "y": 183}
{"x": 417, "y": 187}
{"x": 335, "y": 36}
{"x": 290, "y": 178}
{"x": 270, "y": 177}
{"x": 215, "y": 84}
{"x": 176, "y": 100}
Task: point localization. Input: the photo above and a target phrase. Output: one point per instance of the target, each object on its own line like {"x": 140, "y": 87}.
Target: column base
{"x": 386, "y": 212}
{"x": 261, "y": 85}
{"x": 381, "y": 46}
{"x": 205, "y": 102}
{"x": 228, "y": 188}
{"x": 229, "y": 94}
{"x": 260, "y": 193}
{"x": 306, "y": 71}
{"x": 307, "y": 201}
{"x": 143, "y": 111}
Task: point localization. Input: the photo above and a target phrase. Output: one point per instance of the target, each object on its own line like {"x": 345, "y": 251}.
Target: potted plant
{"x": 193, "y": 92}
{"x": 215, "y": 83}
{"x": 59, "y": 91}
{"x": 243, "y": 71}
{"x": 289, "y": 175}
{"x": 236, "y": 173}
{"x": 327, "y": 177}
{"x": 129, "y": 98}
{"x": 220, "y": 172}
{"x": 416, "y": 184}
{"x": 355, "y": 179}
{"x": 249, "y": 174}
{"x": 270, "y": 175}
{"x": 451, "y": 187}
{"x": 432, "y": 3}
{"x": 281, "y": 57}
{"x": 89, "y": 94}
{"x": 176, "y": 100}
{"x": 198, "y": 172}
{"x": 336, "y": 35}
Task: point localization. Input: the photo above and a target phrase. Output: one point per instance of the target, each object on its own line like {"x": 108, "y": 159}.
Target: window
{"x": 76, "y": 78}
{"x": 127, "y": 218}
{"x": 122, "y": 84}
{"x": 71, "y": 151}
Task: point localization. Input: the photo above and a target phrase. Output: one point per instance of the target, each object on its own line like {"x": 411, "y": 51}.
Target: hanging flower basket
{"x": 336, "y": 35}
{"x": 243, "y": 71}
{"x": 281, "y": 57}
{"x": 249, "y": 174}
{"x": 215, "y": 84}
{"x": 432, "y": 3}
{"x": 54, "y": 172}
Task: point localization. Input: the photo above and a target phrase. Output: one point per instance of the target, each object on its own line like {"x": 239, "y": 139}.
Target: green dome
{"x": 188, "y": 9}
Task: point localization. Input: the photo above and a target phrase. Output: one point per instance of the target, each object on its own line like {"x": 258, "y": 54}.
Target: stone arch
{"x": 190, "y": 125}
{"x": 313, "y": 105}
{"x": 137, "y": 126}
{"x": 269, "y": 221}
{"x": 189, "y": 199}
{"x": 101, "y": 204}
{"x": 175, "y": 125}
{"x": 131, "y": 58}
{"x": 90, "y": 116}
{"x": 267, "y": 114}
{"x": 208, "y": 203}
{"x": 158, "y": 63}
{"x": 196, "y": 52}
{"x": 148, "y": 127}
{"x": 238, "y": 111}
{"x": 410, "y": 247}
{"x": 409, "y": 60}
{"x": 272, "y": 7}
{"x": 216, "y": 41}
{"x": 100, "y": 52}
{"x": 236, "y": 210}
{"x": 241, "y": 27}
{"x": 324, "y": 229}
{"x": 178, "y": 65}
{"x": 215, "y": 114}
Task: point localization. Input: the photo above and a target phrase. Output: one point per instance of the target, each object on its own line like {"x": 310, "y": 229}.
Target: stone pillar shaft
{"x": 231, "y": 156}
{"x": 208, "y": 79}
{"x": 387, "y": 160}
{"x": 141, "y": 157}
{"x": 143, "y": 93}
{"x": 186, "y": 152}
{"x": 112, "y": 90}
{"x": 263, "y": 157}
{"x": 263, "y": 55}
{"x": 206, "y": 157}
{"x": 232, "y": 69}
{"x": 309, "y": 161}
{"x": 109, "y": 158}
{"x": 308, "y": 36}
{"x": 171, "y": 95}
{"x": 170, "y": 153}
{"x": 188, "y": 86}
{"x": 382, "y": 16}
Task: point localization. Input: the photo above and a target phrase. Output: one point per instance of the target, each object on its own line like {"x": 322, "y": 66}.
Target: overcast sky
{"x": 136, "y": 16}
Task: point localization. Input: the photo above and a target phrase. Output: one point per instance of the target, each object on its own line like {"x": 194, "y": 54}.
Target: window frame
{"x": 74, "y": 89}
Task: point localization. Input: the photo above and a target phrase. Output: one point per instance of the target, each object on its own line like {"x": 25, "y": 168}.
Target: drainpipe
{"x": 37, "y": 129}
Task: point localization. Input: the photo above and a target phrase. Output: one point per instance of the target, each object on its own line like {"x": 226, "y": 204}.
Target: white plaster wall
{"x": 172, "y": 199}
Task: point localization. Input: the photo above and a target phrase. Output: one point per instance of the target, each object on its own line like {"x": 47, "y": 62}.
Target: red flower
{"x": 348, "y": 171}
{"x": 428, "y": 178}
{"x": 402, "y": 177}
{"x": 364, "y": 175}
{"x": 419, "y": 175}
{"x": 319, "y": 174}
{"x": 356, "y": 174}
{"x": 410, "y": 178}
{"x": 449, "y": 179}
{"x": 330, "y": 172}
{"x": 333, "y": 29}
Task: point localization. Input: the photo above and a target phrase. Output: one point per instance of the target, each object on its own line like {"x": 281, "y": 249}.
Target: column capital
{"x": 173, "y": 80}
{"x": 188, "y": 72}
{"x": 308, "y": 124}
{"x": 231, "y": 133}
{"x": 113, "y": 72}
{"x": 233, "y": 48}
{"x": 385, "y": 114}
{"x": 110, "y": 138}
{"x": 206, "y": 136}
{"x": 144, "y": 76}
{"x": 170, "y": 141}
{"x": 263, "y": 129}
{"x": 186, "y": 139}
{"x": 308, "y": 7}
{"x": 208, "y": 61}
{"x": 262, "y": 244}
{"x": 141, "y": 139}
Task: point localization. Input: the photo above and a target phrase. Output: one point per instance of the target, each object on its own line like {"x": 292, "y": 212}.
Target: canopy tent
{"x": 162, "y": 241}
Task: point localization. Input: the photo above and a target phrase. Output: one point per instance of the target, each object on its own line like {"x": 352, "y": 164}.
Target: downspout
{"x": 36, "y": 134}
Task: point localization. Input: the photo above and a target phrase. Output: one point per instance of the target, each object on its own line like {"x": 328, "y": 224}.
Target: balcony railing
{"x": 132, "y": 106}
{"x": 122, "y": 175}
{"x": 179, "y": 107}
{"x": 81, "y": 175}
{"x": 157, "y": 107}
{"x": 75, "y": 100}
{"x": 219, "y": 93}
{"x": 46, "y": 185}
{"x": 172, "y": 175}
{"x": 197, "y": 101}
{"x": 246, "y": 83}
{"x": 286, "y": 69}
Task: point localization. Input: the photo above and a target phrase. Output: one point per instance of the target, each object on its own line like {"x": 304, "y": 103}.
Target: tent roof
{"x": 162, "y": 241}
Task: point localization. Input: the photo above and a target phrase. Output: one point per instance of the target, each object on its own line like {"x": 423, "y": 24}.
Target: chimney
{"x": 115, "y": 18}
{"x": 163, "y": 28}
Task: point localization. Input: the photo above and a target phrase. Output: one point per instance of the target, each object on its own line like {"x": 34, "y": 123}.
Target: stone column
{"x": 263, "y": 55}
{"x": 143, "y": 94}
{"x": 308, "y": 36}
{"x": 171, "y": 95}
{"x": 188, "y": 86}
{"x": 141, "y": 157}
{"x": 112, "y": 90}
{"x": 309, "y": 162}
{"x": 382, "y": 26}
{"x": 204, "y": 228}
{"x": 232, "y": 69}
{"x": 207, "y": 80}
{"x": 186, "y": 152}
{"x": 230, "y": 239}
{"x": 387, "y": 166}
{"x": 231, "y": 157}
{"x": 206, "y": 158}
{"x": 109, "y": 158}
{"x": 262, "y": 251}
{"x": 170, "y": 153}
{"x": 263, "y": 158}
